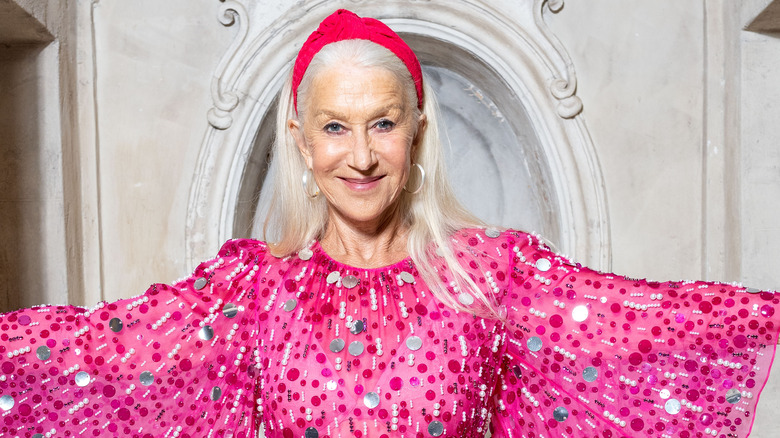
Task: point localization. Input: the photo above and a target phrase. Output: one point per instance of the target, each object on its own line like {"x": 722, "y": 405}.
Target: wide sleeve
{"x": 177, "y": 361}
{"x": 590, "y": 354}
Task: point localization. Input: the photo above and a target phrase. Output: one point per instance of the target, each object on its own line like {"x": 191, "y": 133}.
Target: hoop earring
{"x": 422, "y": 180}
{"x": 309, "y": 176}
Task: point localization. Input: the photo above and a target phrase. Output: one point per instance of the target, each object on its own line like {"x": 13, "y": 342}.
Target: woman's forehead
{"x": 343, "y": 90}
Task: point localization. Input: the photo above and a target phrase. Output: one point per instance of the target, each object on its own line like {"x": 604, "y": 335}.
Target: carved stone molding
{"x": 513, "y": 40}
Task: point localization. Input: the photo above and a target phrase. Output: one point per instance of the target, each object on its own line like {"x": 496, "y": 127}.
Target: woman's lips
{"x": 361, "y": 184}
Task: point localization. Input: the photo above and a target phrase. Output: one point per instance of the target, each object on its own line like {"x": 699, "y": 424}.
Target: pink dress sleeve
{"x": 590, "y": 354}
{"x": 171, "y": 362}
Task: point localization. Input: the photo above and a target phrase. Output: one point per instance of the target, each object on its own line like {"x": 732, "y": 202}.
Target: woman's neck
{"x": 365, "y": 245}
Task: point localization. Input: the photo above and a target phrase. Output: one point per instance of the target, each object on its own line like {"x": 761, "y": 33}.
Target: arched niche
{"x": 536, "y": 158}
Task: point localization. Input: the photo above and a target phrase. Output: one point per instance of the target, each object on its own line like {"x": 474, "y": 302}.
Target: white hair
{"x": 432, "y": 216}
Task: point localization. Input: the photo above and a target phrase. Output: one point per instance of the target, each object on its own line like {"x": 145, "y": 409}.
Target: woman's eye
{"x": 333, "y": 127}
{"x": 384, "y": 125}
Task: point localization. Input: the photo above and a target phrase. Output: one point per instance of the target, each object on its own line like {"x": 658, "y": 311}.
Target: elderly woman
{"x": 385, "y": 309}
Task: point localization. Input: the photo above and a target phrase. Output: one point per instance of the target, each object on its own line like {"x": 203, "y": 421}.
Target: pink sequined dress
{"x": 308, "y": 347}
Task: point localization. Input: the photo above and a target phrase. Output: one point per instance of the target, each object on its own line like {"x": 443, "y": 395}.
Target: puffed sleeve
{"x": 599, "y": 355}
{"x": 177, "y": 361}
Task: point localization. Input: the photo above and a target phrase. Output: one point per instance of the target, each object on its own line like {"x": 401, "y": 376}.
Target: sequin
{"x": 534, "y": 343}
{"x": 200, "y": 283}
{"x": 733, "y": 396}
{"x": 492, "y": 233}
{"x": 333, "y": 277}
{"x": 230, "y": 310}
{"x": 673, "y": 406}
{"x": 579, "y": 313}
{"x": 82, "y": 378}
{"x": 357, "y": 327}
{"x": 466, "y": 298}
{"x": 146, "y": 378}
{"x": 337, "y": 345}
{"x": 435, "y": 428}
{"x": 407, "y": 277}
{"x": 560, "y": 414}
{"x": 6, "y": 402}
{"x": 206, "y": 333}
{"x": 43, "y": 352}
{"x": 216, "y": 393}
{"x": 414, "y": 343}
{"x": 371, "y": 400}
{"x": 290, "y": 305}
{"x": 115, "y": 325}
{"x": 590, "y": 374}
{"x": 311, "y": 432}
{"x": 350, "y": 281}
{"x": 305, "y": 254}
{"x": 543, "y": 265}
{"x": 356, "y": 348}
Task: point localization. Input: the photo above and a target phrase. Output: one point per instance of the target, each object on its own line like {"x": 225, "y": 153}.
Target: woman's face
{"x": 357, "y": 136}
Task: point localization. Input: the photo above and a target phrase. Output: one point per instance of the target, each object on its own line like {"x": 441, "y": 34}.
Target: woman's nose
{"x": 363, "y": 157}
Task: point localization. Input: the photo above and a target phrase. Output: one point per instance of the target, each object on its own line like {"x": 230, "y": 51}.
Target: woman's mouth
{"x": 363, "y": 183}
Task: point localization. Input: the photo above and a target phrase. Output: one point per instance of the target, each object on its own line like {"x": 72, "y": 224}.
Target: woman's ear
{"x": 294, "y": 127}
{"x": 422, "y": 123}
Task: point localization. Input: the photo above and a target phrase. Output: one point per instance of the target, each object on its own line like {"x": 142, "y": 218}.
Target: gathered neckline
{"x": 403, "y": 264}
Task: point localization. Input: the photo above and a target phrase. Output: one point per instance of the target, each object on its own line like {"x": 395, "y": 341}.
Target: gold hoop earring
{"x": 422, "y": 180}
{"x": 309, "y": 176}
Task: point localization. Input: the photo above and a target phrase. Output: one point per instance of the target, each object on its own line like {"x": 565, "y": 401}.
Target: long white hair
{"x": 432, "y": 215}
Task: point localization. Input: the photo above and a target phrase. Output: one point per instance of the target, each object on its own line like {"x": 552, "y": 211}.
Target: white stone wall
{"x": 680, "y": 102}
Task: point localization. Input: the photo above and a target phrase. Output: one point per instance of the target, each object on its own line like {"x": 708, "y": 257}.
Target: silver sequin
{"x": 733, "y": 396}
{"x": 413, "y": 343}
{"x": 371, "y": 400}
{"x": 407, "y": 277}
{"x": 115, "y": 325}
{"x": 206, "y": 333}
{"x": 290, "y": 304}
{"x": 435, "y": 428}
{"x": 216, "y": 393}
{"x": 466, "y": 298}
{"x": 752, "y": 290}
{"x": 333, "y": 277}
{"x": 200, "y": 283}
{"x": 43, "y": 352}
{"x": 673, "y": 406}
{"x": 6, "y": 402}
{"x": 356, "y": 348}
{"x": 349, "y": 281}
{"x": 580, "y": 313}
{"x": 357, "y": 327}
{"x": 590, "y": 374}
{"x": 534, "y": 343}
{"x": 305, "y": 254}
{"x": 82, "y": 378}
{"x": 664, "y": 394}
{"x": 311, "y": 432}
{"x": 337, "y": 345}
{"x": 543, "y": 265}
{"x": 230, "y": 310}
{"x": 492, "y": 233}
{"x": 147, "y": 378}
{"x": 560, "y": 414}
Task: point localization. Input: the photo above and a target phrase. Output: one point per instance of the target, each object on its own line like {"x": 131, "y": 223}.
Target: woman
{"x": 385, "y": 309}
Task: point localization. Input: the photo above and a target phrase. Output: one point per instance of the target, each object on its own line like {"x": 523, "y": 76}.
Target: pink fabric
{"x": 247, "y": 340}
{"x": 345, "y": 25}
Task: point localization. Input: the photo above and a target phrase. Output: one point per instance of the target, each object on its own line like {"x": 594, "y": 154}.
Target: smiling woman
{"x": 385, "y": 309}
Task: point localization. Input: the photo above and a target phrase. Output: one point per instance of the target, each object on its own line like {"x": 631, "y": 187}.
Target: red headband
{"x": 345, "y": 25}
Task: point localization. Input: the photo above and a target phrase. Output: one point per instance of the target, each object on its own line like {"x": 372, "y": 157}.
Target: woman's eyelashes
{"x": 383, "y": 125}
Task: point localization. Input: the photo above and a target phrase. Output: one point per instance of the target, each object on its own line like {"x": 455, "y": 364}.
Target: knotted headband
{"x": 345, "y": 25}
